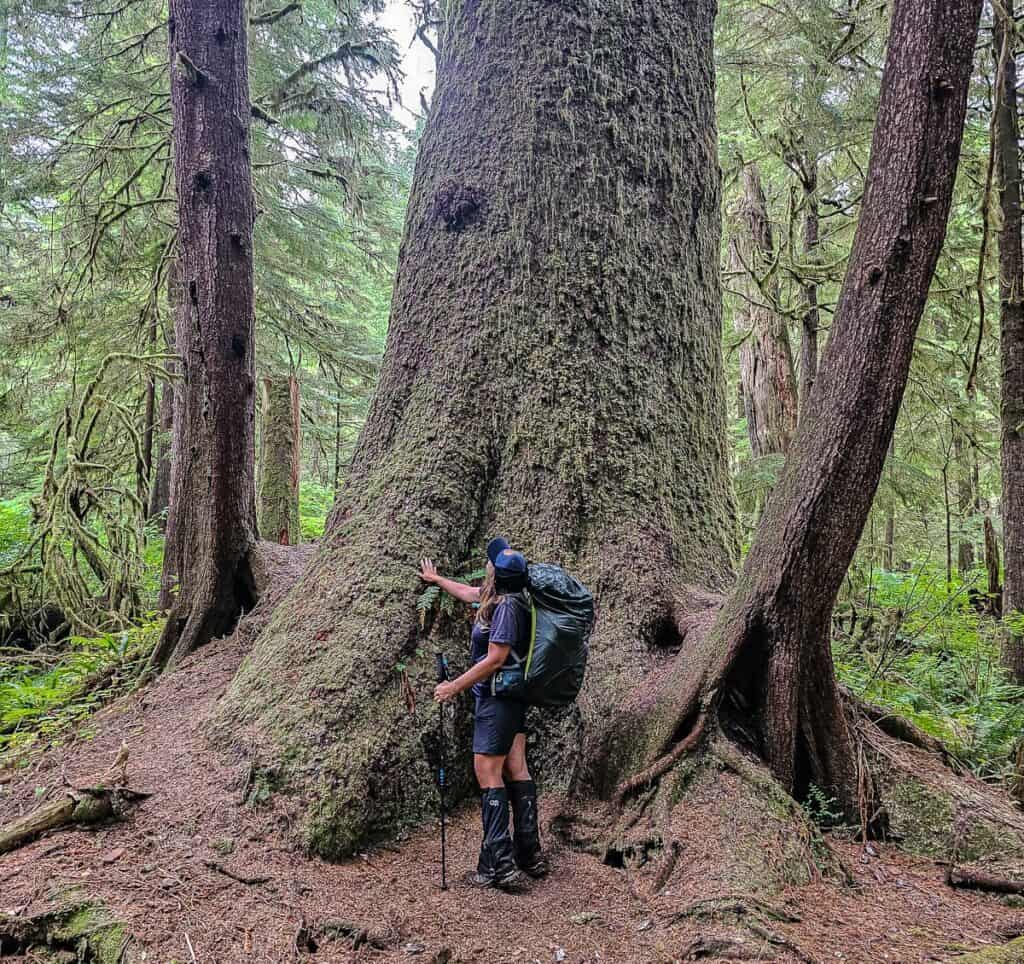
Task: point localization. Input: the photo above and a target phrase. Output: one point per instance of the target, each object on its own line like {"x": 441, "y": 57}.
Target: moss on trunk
{"x": 280, "y": 462}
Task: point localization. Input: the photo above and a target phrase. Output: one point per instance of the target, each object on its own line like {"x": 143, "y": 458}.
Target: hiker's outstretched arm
{"x": 468, "y": 594}
{"x": 494, "y": 660}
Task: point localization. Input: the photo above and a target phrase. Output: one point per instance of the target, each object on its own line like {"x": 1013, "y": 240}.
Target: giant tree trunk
{"x": 280, "y": 461}
{"x": 552, "y": 371}
{"x": 212, "y": 522}
{"x": 768, "y": 650}
{"x": 1011, "y": 320}
{"x": 766, "y": 362}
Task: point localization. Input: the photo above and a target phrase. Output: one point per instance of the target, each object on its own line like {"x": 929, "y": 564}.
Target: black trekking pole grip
{"x": 441, "y": 665}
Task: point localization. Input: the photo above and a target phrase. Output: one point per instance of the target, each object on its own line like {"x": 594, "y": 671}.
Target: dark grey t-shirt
{"x": 510, "y": 626}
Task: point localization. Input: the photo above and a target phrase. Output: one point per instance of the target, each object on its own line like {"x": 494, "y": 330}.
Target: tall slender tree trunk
{"x": 552, "y": 372}
{"x": 770, "y": 642}
{"x": 1011, "y": 319}
{"x": 890, "y": 510}
{"x": 811, "y": 316}
{"x": 149, "y": 421}
{"x": 280, "y": 461}
{"x": 212, "y": 523}
{"x": 766, "y": 362}
{"x": 994, "y": 586}
{"x": 965, "y": 501}
{"x": 160, "y": 493}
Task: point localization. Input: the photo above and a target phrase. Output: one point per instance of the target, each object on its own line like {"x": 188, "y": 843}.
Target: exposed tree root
{"x": 749, "y": 913}
{"x": 310, "y": 938}
{"x": 727, "y": 948}
{"x": 897, "y": 726}
{"x": 663, "y": 764}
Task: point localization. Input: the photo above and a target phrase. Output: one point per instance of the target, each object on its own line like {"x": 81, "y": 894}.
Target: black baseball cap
{"x": 496, "y": 546}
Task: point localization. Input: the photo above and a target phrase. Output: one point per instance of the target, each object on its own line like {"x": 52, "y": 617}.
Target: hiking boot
{"x": 526, "y": 848}
{"x": 496, "y": 866}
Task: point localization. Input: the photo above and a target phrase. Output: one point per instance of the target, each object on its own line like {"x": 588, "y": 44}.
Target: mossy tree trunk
{"x": 212, "y": 522}
{"x": 552, "y": 372}
{"x": 1011, "y": 321}
{"x": 766, "y": 659}
{"x": 280, "y": 461}
{"x": 811, "y": 320}
{"x": 766, "y": 362}
{"x": 160, "y": 491}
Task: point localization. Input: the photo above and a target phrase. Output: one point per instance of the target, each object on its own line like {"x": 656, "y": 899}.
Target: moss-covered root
{"x": 943, "y": 815}
{"x": 82, "y": 927}
{"x": 723, "y": 818}
{"x": 1012, "y": 953}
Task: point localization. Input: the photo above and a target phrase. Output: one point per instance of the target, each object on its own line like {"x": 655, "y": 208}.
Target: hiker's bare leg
{"x": 488, "y": 770}
{"x": 515, "y": 763}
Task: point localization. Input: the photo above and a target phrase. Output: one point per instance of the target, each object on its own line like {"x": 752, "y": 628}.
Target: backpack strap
{"x": 533, "y": 636}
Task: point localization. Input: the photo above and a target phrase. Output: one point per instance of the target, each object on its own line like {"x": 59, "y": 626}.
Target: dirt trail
{"x": 165, "y": 872}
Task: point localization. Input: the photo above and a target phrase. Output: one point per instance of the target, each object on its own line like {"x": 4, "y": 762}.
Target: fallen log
{"x": 107, "y": 799}
{"x": 75, "y": 806}
{"x": 977, "y": 880}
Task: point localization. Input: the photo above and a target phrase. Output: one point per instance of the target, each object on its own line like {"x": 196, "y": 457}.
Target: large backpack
{"x": 560, "y": 618}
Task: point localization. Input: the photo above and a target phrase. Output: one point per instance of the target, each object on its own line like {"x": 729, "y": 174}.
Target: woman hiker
{"x": 501, "y": 636}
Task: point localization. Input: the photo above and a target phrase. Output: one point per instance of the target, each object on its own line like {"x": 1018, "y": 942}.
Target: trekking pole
{"x": 442, "y": 677}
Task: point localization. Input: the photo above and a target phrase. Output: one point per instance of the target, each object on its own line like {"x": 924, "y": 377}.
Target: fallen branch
{"x": 221, "y": 869}
{"x": 107, "y": 798}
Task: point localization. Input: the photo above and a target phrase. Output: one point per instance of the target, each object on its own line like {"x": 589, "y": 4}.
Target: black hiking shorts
{"x": 496, "y": 723}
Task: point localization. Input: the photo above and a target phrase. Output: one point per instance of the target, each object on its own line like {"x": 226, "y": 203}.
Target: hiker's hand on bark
{"x": 445, "y": 691}
{"x": 428, "y": 572}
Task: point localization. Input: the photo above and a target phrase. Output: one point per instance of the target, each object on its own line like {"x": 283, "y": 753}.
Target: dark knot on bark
{"x": 459, "y": 206}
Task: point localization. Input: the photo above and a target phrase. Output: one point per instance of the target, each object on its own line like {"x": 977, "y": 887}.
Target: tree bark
{"x": 766, "y": 362}
{"x": 965, "y": 501}
{"x": 811, "y": 319}
{"x": 994, "y": 595}
{"x": 280, "y": 461}
{"x": 1011, "y": 321}
{"x": 769, "y": 646}
{"x": 553, "y": 371}
{"x": 212, "y": 523}
{"x": 160, "y": 493}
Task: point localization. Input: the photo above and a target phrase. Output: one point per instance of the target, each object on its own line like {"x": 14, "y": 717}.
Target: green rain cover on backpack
{"x": 561, "y": 617}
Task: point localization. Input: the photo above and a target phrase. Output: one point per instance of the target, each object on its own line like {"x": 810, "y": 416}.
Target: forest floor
{"x": 165, "y": 872}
